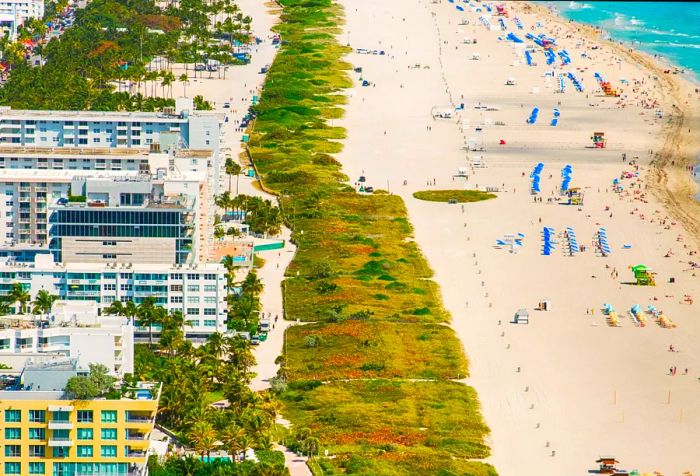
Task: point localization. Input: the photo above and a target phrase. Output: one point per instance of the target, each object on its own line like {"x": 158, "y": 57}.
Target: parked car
{"x": 200, "y": 67}
{"x": 227, "y": 105}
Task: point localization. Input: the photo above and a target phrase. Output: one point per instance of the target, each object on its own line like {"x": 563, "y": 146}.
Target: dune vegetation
{"x": 379, "y": 337}
{"x": 459, "y": 196}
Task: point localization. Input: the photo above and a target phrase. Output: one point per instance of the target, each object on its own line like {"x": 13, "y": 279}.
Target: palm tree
{"x": 148, "y": 315}
{"x": 43, "y": 302}
{"x": 223, "y": 201}
{"x": 219, "y": 232}
{"x": 252, "y": 284}
{"x": 232, "y": 168}
{"x": 19, "y": 295}
{"x": 185, "y": 80}
{"x": 5, "y": 307}
{"x": 202, "y": 437}
{"x": 231, "y": 437}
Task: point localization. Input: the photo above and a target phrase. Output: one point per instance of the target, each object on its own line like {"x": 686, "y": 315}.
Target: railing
{"x": 138, "y": 419}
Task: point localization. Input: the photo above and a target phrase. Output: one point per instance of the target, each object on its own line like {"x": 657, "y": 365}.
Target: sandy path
{"x": 566, "y": 388}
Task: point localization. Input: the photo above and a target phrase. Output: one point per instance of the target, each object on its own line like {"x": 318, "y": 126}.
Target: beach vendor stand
{"x": 607, "y": 464}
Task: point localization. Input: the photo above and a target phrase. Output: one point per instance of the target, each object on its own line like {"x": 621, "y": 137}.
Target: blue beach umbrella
{"x": 460, "y": 8}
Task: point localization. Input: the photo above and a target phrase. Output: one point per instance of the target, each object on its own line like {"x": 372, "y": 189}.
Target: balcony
{"x": 60, "y": 425}
{"x": 138, "y": 419}
{"x": 136, "y": 454}
{"x": 60, "y": 441}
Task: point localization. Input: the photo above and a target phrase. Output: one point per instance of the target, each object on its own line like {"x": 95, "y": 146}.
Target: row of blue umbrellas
{"x": 547, "y": 234}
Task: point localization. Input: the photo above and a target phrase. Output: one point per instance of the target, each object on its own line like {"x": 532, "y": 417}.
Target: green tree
{"x": 232, "y": 168}
{"x": 43, "y": 302}
{"x": 94, "y": 385}
{"x": 19, "y": 295}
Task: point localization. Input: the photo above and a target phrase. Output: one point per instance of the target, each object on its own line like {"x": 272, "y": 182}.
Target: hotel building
{"x": 44, "y": 433}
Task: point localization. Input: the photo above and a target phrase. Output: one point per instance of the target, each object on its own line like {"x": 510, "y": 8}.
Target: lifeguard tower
{"x": 643, "y": 275}
{"x": 599, "y": 140}
{"x": 575, "y": 196}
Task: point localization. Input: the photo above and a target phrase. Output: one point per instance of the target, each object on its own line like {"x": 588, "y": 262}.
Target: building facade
{"x": 104, "y": 216}
{"x": 13, "y": 14}
{"x": 83, "y": 336}
{"x": 197, "y": 290}
{"x": 42, "y": 433}
{"x": 186, "y": 128}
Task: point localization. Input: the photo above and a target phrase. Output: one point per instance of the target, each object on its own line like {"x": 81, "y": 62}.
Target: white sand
{"x": 591, "y": 389}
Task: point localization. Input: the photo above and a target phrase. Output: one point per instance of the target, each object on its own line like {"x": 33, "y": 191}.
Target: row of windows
{"x": 131, "y": 276}
{"x": 39, "y": 416}
{"x": 140, "y": 217}
{"x": 67, "y": 469}
{"x": 83, "y": 451}
{"x": 40, "y": 433}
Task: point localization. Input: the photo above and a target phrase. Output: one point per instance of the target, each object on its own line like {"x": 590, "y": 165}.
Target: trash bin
{"x": 671, "y": 280}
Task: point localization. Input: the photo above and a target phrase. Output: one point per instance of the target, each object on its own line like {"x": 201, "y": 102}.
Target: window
{"x": 12, "y": 468}
{"x": 209, "y": 300}
{"x": 193, "y": 299}
{"x": 209, "y": 277}
{"x": 210, "y": 288}
{"x": 84, "y": 416}
{"x": 60, "y": 452}
{"x": 109, "y": 433}
{"x": 176, "y": 299}
{"x": 37, "y": 468}
{"x": 209, "y": 323}
{"x": 85, "y": 433}
{"x": 210, "y": 311}
{"x": 84, "y": 451}
{"x": 37, "y": 416}
{"x": 176, "y": 288}
{"x": 177, "y": 276}
{"x": 193, "y": 277}
{"x": 193, "y": 311}
{"x": 37, "y": 434}
{"x": 13, "y": 433}
{"x": 109, "y": 416}
{"x": 125, "y": 287}
{"x": 109, "y": 451}
{"x": 13, "y": 416}
{"x": 13, "y": 451}
{"x": 193, "y": 288}
{"x": 37, "y": 451}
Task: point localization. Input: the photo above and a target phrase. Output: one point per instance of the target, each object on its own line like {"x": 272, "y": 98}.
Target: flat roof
{"x": 114, "y": 268}
{"x": 6, "y": 111}
{"x": 9, "y": 150}
{"x": 65, "y": 175}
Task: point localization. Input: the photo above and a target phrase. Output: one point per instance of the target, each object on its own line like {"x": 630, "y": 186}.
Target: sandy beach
{"x": 567, "y": 387}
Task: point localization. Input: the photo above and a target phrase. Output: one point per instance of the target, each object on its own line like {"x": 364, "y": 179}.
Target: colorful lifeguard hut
{"x": 643, "y": 275}
{"x": 599, "y": 140}
{"x": 575, "y": 196}
{"x": 607, "y": 464}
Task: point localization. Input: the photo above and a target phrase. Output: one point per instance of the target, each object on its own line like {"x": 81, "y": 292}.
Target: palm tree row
{"x": 18, "y": 295}
{"x": 195, "y": 376}
{"x": 261, "y": 215}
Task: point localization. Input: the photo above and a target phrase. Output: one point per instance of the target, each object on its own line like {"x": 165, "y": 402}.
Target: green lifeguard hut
{"x": 644, "y": 276}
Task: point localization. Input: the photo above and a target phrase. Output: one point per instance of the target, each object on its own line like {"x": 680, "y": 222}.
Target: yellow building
{"x": 43, "y": 433}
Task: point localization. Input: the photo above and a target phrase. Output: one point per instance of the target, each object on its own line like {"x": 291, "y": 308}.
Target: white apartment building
{"x": 73, "y": 329}
{"x": 197, "y": 290}
{"x": 13, "y": 14}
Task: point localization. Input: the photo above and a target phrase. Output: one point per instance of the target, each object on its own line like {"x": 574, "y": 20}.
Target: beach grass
{"x": 359, "y": 279}
{"x": 460, "y": 196}
{"x": 393, "y": 427}
{"x": 373, "y": 349}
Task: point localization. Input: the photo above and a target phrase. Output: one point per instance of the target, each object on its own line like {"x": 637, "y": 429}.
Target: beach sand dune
{"x": 566, "y": 388}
